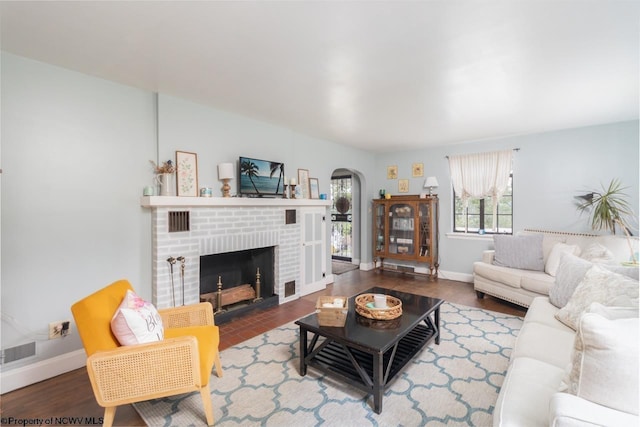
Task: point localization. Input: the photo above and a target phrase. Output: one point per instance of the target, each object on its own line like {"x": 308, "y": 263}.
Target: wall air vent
{"x": 18, "y": 352}
{"x": 178, "y": 221}
{"x": 289, "y": 288}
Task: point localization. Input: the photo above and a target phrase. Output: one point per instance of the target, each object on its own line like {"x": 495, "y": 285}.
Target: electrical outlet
{"x": 59, "y": 329}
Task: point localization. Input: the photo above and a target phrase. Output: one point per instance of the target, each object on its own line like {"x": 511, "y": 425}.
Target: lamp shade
{"x": 225, "y": 171}
{"x": 431, "y": 182}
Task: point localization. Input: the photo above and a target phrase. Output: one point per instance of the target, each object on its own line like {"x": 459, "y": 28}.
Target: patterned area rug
{"x": 454, "y": 383}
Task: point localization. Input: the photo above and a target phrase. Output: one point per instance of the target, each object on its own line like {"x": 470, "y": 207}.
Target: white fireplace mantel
{"x": 173, "y": 201}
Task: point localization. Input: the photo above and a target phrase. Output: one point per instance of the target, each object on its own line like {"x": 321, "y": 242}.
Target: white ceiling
{"x": 384, "y": 75}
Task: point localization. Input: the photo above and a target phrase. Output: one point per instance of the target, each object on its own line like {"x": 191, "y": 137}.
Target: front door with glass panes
{"x": 341, "y": 216}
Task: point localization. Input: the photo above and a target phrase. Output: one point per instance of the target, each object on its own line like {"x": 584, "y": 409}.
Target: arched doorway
{"x": 345, "y": 220}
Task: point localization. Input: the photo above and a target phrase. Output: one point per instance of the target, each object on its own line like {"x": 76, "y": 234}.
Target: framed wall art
{"x": 403, "y": 185}
{"x": 417, "y": 169}
{"x": 392, "y": 172}
{"x": 314, "y": 187}
{"x": 303, "y": 182}
{"x": 187, "y": 173}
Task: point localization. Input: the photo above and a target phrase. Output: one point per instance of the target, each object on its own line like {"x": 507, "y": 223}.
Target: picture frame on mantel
{"x": 303, "y": 183}
{"x": 314, "y": 188}
{"x": 187, "y": 173}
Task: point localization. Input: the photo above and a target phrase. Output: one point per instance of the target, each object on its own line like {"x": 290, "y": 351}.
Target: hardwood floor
{"x": 70, "y": 394}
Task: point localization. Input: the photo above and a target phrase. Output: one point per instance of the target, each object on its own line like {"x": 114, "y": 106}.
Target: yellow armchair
{"x": 181, "y": 363}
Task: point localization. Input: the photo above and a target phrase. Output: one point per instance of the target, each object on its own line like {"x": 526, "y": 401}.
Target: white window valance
{"x": 480, "y": 175}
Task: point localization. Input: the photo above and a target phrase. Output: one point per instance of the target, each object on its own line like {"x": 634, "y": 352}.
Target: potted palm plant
{"x": 608, "y": 210}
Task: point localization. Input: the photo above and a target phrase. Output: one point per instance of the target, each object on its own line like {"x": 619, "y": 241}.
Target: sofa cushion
{"x": 605, "y": 363}
{"x": 553, "y": 261}
{"x": 542, "y": 311}
{"x": 522, "y": 252}
{"x": 567, "y": 410}
{"x": 508, "y": 276}
{"x": 550, "y": 344}
{"x": 526, "y": 392}
{"x": 599, "y": 285}
{"x": 536, "y": 281}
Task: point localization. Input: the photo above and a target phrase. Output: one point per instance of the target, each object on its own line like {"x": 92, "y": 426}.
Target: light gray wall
{"x": 75, "y": 155}
{"x": 549, "y": 170}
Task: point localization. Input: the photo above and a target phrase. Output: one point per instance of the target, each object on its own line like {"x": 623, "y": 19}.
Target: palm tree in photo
{"x": 250, "y": 169}
{"x": 277, "y": 167}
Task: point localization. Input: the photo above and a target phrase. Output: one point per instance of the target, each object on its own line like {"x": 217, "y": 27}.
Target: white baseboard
{"x": 366, "y": 266}
{"x": 43, "y": 370}
{"x": 452, "y": 275}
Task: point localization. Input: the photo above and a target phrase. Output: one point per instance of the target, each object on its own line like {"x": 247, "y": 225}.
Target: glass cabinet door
{"x": 401, "y": 229}
{"x": 379, "y": 218}
{"x": 425, "y": 229}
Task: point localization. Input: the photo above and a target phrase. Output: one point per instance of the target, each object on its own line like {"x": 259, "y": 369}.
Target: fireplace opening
{"x": 238, "y": 282}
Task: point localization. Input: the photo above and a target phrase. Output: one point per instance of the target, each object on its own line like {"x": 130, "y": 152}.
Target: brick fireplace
{"x": 191, "y": 227}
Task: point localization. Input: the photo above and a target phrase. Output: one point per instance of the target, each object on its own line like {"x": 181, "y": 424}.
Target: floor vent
{"x": 406, "y": 269}
{"x": 18, "y": 352}
{"x": 178, "y": 221}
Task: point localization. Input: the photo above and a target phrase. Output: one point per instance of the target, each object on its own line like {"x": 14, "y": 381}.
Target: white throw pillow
{"x": 553, "y": 261}
{"x": 605, "y": 362}
{"x": 595, "y": 252}
{"x": 599, "y": 285}
{"x": 136, "y": 321}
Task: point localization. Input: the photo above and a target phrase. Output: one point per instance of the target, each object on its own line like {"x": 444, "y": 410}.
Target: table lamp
{"x": 431, "y": 183}
{"x": 225, "y": 174}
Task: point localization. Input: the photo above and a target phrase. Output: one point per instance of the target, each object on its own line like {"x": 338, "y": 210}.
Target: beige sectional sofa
{"x": 521, "y": 286}
{"x": 531, "y": 392}
{"x": 575, "y": 361}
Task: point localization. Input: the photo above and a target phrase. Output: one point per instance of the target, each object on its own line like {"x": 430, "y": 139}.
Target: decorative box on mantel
{"x": 192, "y": 227}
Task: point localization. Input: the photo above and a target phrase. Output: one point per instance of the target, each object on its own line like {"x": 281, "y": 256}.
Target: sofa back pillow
{"x": 570, "y": 273}
{"x": 553, "y": 260}
{"x": 522, "y": 252}
{"x": 605, "y": 362}
{"x": 602, "y": 286}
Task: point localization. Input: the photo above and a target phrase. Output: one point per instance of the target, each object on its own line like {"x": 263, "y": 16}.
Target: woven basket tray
{"x": 392, "y": 311}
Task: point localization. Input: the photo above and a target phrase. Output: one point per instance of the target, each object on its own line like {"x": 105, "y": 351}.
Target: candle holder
{"x": 293, "y": 191}
{"x": 284, "y": 193}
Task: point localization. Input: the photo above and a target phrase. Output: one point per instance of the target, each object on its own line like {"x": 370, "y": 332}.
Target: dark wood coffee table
{"x": 366, "y": 353}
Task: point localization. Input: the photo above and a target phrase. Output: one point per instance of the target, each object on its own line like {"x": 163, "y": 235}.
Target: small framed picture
{"x": 314, "y": 187}
{"x": 303, "y": 182}
{"x": 392, "y": 172}
{"x": 403, "y": 185}
{"x": 187, "y": 173}
{"x": 417, "y": 169}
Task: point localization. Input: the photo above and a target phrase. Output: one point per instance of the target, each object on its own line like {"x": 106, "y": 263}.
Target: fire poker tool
{"x": 182, "y": 262}
{"x": 171, "y": 260}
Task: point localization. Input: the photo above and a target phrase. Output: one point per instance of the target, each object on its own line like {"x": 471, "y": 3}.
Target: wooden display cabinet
{"x": 406, "y": 228}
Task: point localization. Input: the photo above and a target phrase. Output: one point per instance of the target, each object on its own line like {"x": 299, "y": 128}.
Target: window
{"x": 479, "y": 214}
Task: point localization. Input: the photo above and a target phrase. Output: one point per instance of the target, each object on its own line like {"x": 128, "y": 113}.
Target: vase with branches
{"x": 609, "y": 209}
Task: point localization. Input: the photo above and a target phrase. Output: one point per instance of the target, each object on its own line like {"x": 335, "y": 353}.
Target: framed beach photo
{"x": 303, "y": 182}
{"x": 187, "y": 173}
{"x": 314, "y": 186}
